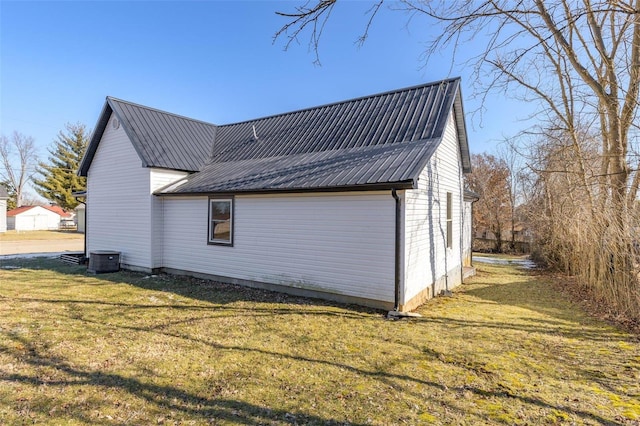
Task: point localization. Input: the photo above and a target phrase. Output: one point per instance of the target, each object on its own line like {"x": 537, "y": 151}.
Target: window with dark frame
{"x": 220, "y": 221}
{"x": 449, "y": 220}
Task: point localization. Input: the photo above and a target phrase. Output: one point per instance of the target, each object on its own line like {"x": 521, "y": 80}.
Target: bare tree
{"x": 508, "y": 154}
{"x": 579, "y": 60}
{"x": 493, "y": 211}
{"x": 18, "y": 156}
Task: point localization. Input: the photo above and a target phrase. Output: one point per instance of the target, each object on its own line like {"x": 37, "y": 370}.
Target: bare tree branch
{"x": 18, "y": 156}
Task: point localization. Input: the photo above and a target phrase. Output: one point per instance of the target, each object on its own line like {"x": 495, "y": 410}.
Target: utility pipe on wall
{"x": 396, "y": 305}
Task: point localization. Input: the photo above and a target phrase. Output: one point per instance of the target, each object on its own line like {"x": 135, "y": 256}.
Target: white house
{"x": 3, "y": 209}
{"x": 34, "y": 218}
{"x": 358, "y": 201}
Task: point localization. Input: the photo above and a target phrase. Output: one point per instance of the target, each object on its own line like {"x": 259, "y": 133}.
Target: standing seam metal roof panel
{"x": 345, "y": 143}
{"x": 346, "y": 132}
{"x": 163, "y": 139}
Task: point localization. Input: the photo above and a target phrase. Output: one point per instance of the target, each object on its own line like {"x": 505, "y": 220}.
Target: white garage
{"x": 34, "y": 218}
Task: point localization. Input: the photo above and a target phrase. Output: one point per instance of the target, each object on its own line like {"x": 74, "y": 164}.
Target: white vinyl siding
{"x": 467, "y": 231}
{"x": 3, "y": 215}
{"x": 160, "y": 178}
{"x": 341, "y": 244}
{"x": 119, "y": 201}
{"x": 449, "y": 221}
{"x": 427, "y": 258}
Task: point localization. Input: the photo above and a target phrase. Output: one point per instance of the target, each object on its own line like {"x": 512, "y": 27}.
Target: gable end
{"x": 161, "y": 139}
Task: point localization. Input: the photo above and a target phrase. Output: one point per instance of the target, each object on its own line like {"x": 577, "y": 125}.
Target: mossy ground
{"x": 126, "y": 348}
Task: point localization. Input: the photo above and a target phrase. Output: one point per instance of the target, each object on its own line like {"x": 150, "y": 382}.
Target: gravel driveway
{"x": 40, "y": 246}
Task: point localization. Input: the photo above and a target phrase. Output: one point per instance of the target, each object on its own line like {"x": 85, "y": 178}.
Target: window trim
{"x": 449, "y": 220}
{"x": 219, "y": 242}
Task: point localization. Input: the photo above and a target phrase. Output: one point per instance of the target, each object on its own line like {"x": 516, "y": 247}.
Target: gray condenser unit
{"x": 103, "y": 261}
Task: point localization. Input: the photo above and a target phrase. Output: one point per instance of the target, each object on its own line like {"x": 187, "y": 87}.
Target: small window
{"x": 220, "y": 221}
{"x": 449, "y": 220}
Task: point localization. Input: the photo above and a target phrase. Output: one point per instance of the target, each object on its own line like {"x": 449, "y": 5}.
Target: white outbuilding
{"x": 35, "y": 218}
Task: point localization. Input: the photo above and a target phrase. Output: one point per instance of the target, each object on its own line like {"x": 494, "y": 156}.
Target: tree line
{"x": 54, "y": 179}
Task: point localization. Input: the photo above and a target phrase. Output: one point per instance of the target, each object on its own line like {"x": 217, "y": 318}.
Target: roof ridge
{"x": 112, "y": 98}
{"x": 385, "y": 93}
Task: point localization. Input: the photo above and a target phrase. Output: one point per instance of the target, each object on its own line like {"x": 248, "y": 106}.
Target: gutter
{"x": 408, "y": 184}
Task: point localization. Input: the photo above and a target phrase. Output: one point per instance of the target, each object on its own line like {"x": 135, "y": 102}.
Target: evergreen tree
{"x": 11, "y": 202}
{"x": 59, "y": 176}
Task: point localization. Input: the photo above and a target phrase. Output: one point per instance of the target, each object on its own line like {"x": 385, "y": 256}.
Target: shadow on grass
{"x": 217, "y": 295}
{"x": 163, "y": 397}
{"x": 220, "y": 296}
{"x": 240, "y": 412}
{"x": 532, "y": 292}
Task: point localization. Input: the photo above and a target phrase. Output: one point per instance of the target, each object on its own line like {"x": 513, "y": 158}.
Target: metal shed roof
{"x": 369, "y": 167}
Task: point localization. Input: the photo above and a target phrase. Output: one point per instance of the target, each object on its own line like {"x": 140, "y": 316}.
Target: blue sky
{"x": 210, "y": 60}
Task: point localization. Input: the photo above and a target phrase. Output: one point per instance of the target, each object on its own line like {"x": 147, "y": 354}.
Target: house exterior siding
{"x": 3, "y": 215}
{"x": 119, "y": 201}
{"x": 467, "y": 233}
{"x": 160, "y": 178}
{"x": 429, "y": 265}
{"x": 331, "y": 243}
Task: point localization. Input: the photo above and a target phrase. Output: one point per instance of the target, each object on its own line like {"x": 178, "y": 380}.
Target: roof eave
{"x": 98, "y": 131}
{"x": 461, "y": 127}
{"x": 408, "y": 184}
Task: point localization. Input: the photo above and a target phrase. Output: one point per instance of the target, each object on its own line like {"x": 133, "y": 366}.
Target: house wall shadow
{"x": 220, "y": 296}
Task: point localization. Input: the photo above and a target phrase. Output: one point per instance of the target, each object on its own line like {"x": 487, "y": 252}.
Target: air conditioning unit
{"x": 104, "y": 261}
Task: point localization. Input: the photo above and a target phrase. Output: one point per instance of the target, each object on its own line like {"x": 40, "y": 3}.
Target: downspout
{"x": 461, "y": 226}
{"x": 396, "y": 305}
{"x": 396, "y": 314}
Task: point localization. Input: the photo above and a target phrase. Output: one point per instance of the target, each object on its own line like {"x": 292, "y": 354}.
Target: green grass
{"x": 129, "y": 349}
{"x": 40, "y": 235}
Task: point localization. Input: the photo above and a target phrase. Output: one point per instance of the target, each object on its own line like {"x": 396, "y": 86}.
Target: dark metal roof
{"x": 415, "y": 113}
{"x": 376, "y": 141}
{"x": 470, "y": 195}
{"x": 161, "y": 139}
{"x": 380, "y": 166}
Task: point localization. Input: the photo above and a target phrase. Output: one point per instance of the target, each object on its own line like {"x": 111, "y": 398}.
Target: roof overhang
{"x": 470, "y": 196}
{"x": 461, "y": 127}
{"x": 100, "y": 128}
{"x": 95, "y": 139}
{"x": 387, "y": 186}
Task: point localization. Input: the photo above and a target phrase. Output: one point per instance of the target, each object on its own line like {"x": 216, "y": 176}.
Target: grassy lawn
{"x": 40, "y": 235}
{"x": 129, "y": 349}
